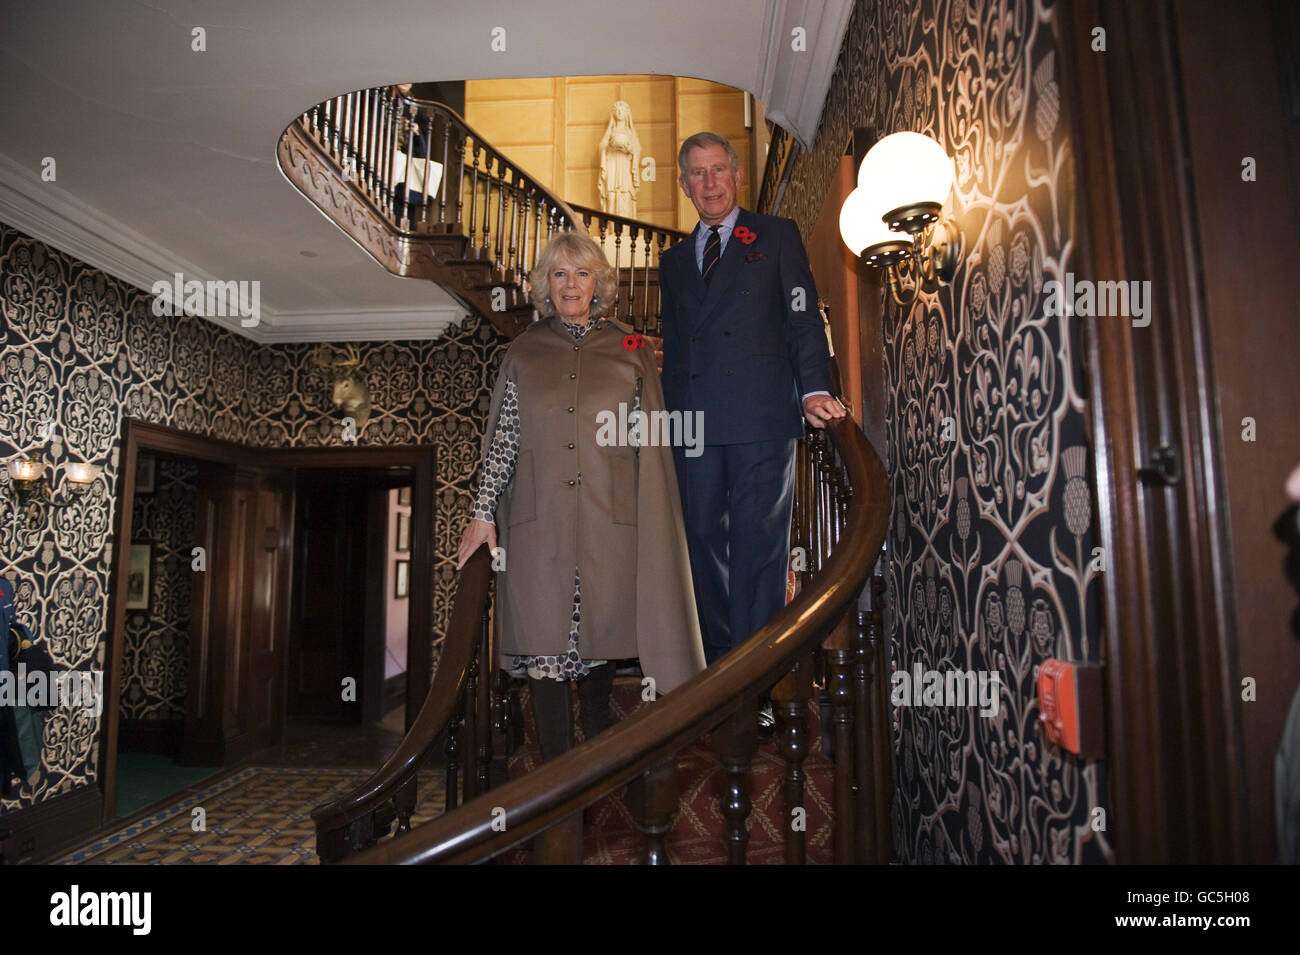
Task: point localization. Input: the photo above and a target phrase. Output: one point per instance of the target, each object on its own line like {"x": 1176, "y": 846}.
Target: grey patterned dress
{"x": 498, "y": 468}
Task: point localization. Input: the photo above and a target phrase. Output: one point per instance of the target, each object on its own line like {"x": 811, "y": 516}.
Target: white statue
{"x": 620, "y": 163}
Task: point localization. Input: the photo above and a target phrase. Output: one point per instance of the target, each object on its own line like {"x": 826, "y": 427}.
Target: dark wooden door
{"x": 1195, "y": 599}
{"x": 269, "y": 561}
{"x": 329, "y": 597}
{"x": 240, "y": 621}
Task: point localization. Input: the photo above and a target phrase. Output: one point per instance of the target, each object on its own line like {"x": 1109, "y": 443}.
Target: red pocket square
{"x": 755, "y": 257}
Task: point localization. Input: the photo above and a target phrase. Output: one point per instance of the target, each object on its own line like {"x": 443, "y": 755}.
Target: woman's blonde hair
{"x": 583, "y": 253}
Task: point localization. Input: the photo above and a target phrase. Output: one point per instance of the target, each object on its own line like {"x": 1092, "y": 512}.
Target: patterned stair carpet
{"x": 609, "y": 832}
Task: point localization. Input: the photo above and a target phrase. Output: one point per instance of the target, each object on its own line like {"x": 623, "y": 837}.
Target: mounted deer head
{"x": 350, "y": 392}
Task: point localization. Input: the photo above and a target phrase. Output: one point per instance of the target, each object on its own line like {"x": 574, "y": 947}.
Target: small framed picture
{"x": 403, "y": 532}
{"x": 145, "y": 467}
{"x": 139, "y": 575}
{"x": 402, "y": 579}
{"x": 404, "y": 496}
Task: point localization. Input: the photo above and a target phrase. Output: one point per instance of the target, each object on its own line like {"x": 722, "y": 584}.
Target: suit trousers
{"x": 736, "y": 502}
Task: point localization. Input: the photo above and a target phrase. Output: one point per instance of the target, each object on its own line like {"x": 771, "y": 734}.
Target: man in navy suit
{"x": 744, "y": 344}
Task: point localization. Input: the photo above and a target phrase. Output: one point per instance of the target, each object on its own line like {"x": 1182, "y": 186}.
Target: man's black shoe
{"x": 766, "y": 722}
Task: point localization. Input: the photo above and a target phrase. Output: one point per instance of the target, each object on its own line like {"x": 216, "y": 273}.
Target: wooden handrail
{"x": 559, "y": 788}
{"x": 333, "y": 820}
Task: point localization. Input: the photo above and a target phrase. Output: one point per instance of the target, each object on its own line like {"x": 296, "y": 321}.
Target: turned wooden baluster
{"x": 499, "y": 772}
{"x": 406, "y": 174}
{"x": 392, "y": 105}
{"x": 404, "y": 803}
{"x": 537, "y": 229}
{"x": 652, "y": 799}
{"x": 839, "y": 683}
{"x": 482, "y": 252}
{"x": 473, "y": 198}
{"x": 336, "y": 128}
{"x": 483, "y": 705}
{"x": 471, "y": 727}
{"x": 618, "y": 263}
{"x": 452, "y": 752}
{"x": 511, "y": 264}
{"x": 321, "y": 122}
{"x": 735, "y": 743}
{"x": 426, "y": 200}
{"x": 658, "y": 313}
{"x": 502, "y": 192}
{"x": 790, "y": 699}
{"x": 378, "y": 139}
{"x": 882, "y": 746}
{"x": 363, "y": 140}
{"x": 461, "y": 139}
{"x": 865, "y": 802}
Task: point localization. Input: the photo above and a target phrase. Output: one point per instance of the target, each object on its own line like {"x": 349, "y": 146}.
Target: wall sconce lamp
{"x": 27, "y": 477}
{"x": 892, "y": 220}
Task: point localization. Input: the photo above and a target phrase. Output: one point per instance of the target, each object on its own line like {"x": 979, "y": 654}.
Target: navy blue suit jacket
{"x": 745, "y": 347}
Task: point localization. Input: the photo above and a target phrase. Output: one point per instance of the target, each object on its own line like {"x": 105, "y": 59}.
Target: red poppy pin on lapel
{"x": 747, "y": 236}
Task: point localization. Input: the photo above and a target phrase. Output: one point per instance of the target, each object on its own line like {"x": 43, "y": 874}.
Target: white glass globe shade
{"x": 860, "y": 223}
{"x": 909, "y": 169}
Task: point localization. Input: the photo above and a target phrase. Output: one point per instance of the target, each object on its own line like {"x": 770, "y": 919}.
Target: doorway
{"x": 154, "y": 672}
{"x": 351, "y": 596}
{"x": 242, "y": 558}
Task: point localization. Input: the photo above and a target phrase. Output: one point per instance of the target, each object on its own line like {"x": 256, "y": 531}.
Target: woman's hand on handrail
{"x": 476, "y": 533}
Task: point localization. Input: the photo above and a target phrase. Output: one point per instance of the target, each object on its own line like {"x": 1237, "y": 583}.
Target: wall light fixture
{"x": 892, "y": 220}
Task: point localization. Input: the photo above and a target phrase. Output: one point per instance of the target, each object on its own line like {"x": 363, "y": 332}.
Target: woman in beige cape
{"x": 583, "y": 502}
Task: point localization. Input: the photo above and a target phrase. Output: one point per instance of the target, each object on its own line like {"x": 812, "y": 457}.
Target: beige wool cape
{"x": 579, "y": 503}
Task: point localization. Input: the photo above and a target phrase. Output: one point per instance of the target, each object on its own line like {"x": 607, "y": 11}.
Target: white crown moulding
{"x": 793, "y": 84}
{"x": 69, "y": 225}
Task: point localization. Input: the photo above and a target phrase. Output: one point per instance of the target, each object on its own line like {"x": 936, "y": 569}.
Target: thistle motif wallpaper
{"x": 990, "y": 556}
{"x": 84, "y": 350}
{"x": 156, "y": 651}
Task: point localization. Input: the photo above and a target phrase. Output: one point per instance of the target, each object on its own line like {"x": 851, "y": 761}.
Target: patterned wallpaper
{"x": 85, "y": 349}
{"x": 992, "y": 539}
{"x": 156, "y": 651}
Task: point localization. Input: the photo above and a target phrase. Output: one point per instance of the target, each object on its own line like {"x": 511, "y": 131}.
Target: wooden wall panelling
{"x": 1173, "y": 734}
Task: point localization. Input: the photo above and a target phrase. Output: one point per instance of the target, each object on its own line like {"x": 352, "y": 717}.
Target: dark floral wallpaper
{"x": 156, "y": 650}
{"x": 85, "y": 350}
{"x": 990, "y": 555}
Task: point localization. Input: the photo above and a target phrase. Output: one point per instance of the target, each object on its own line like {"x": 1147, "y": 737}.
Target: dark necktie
{"x": 712, "y": 249}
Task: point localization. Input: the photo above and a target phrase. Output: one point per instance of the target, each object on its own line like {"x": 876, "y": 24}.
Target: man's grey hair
{"x": 703, "y": 141}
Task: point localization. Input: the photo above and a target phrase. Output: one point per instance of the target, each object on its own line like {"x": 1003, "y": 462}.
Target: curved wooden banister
{"x": 356, "y": 809}
{"x": 559, "y": 788}
{"x": 479, "y": 233}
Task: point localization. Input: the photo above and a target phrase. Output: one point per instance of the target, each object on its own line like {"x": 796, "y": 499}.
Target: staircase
{"x": 475, "y": 224}
{"x": 473, "y": 221}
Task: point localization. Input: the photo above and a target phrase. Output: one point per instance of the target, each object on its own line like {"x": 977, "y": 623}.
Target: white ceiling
{"x": 165, "y": 157}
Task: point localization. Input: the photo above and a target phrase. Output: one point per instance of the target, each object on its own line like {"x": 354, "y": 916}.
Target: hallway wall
{"x": 85, "y": 349}
{"x": 992, "y": 537}
{"x": 156, "y": 653}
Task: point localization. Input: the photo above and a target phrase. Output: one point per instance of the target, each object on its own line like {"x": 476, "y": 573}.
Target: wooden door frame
{"x": 1126, "y": 95}
{"x": 140, "y": 436}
